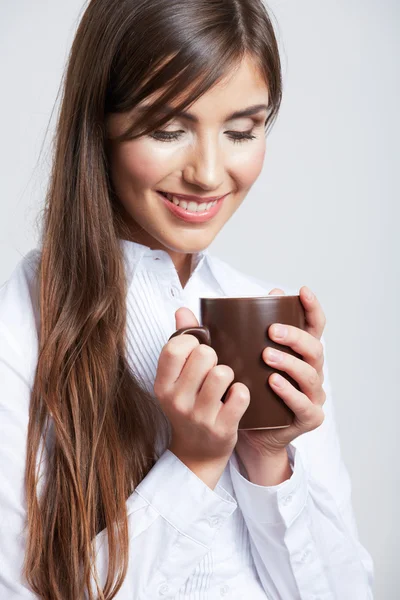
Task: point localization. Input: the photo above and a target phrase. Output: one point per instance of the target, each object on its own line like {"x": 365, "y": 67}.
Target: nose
{"x": 204, "y": 164}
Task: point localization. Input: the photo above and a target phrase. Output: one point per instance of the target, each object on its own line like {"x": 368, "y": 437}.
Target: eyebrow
{"x": 246, "y": 112}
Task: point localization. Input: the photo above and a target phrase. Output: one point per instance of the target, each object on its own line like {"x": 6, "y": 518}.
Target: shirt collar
{"x": 134, "y": 253}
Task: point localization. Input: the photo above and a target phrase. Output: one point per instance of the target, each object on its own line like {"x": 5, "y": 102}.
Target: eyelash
{"x": 165, "y": 136}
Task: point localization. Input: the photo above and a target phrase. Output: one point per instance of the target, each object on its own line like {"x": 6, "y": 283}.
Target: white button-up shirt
{"x": 295, "y": 540}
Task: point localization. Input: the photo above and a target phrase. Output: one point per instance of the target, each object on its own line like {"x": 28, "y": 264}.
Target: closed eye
{"x": 170, "y": 136}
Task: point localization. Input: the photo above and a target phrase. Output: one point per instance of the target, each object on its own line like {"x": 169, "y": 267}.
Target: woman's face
{"x": 204, "y": 160}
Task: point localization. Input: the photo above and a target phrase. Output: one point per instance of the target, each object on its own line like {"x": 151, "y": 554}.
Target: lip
{"x": 198, "y": 199}
{"x": 189, "y": 216}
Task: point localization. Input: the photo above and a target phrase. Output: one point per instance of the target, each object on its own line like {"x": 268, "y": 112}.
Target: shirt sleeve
{"x": 173, "y": 516}
{"x": 303, "y": 532}
{"x": 173, "y": 519}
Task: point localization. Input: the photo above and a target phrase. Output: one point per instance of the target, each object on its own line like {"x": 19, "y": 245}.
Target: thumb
{"x": 276, "y": 292}
{"x": 185, "y": 318}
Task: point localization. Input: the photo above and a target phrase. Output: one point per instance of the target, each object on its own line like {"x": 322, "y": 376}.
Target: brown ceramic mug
{"x": 237, "y": 329}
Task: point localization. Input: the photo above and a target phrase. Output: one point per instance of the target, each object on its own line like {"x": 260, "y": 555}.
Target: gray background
{"x": 323, "y": 213}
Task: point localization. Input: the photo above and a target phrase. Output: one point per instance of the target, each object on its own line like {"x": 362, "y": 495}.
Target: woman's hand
{"x": 189, "y": 385}
{"x": 306, "y": 403}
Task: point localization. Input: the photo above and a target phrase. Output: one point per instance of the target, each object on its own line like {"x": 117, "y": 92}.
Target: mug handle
{"x": 204, "y": 337}
{"x": 201, "y": 333}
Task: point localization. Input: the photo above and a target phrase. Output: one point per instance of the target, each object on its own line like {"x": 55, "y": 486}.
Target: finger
{"x": 315, "y": 316}
{"x": 208, "y": 402}
{"x": 184, "y": 317}
{"x": 276, "y": 292}
{"x": 305, "y": 375}
{"x": 172, "y": 360}
{"x": 302, "y": 342}
{"x": 308, "y": 416}
{"x": 236, "y": 403}
{"x": 194, "y": 373}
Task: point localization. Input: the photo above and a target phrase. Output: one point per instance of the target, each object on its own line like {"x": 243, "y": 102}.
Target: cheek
{"x": 135, "y": 164}
{"x": 247, "y": 166}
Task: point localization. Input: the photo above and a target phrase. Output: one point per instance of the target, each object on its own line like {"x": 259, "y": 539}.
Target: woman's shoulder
{"x": 19, "y": 311}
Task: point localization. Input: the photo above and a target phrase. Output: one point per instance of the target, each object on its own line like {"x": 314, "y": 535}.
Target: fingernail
{"x": 273, "y": 355}
{"x": 278, "y": 380}
{"x": 309, "y": 295}
{"x": 279, "y": 330}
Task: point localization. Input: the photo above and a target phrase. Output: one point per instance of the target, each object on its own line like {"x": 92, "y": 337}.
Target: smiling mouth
{"x": 187, "y": 203}
{"x": 191, "y": 198}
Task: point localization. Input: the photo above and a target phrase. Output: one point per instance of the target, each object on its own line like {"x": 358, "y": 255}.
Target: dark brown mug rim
{"x": 250, "y": 297}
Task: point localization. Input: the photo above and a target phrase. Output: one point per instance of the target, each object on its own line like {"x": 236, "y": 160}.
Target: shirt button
{"x": 287, "y": 499}
{"x": 174, "y": 291}
{"x": 224, "y": 590}
{"x": 163, "y": 589}
{"x": 214, "y": 521}
{"x": 305, "y": 556}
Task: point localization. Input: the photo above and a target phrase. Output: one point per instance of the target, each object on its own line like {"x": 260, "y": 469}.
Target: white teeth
{"x": 192, "y": 206}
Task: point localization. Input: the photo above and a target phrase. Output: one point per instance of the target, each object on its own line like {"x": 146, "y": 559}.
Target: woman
{"x": 123, "y": 475}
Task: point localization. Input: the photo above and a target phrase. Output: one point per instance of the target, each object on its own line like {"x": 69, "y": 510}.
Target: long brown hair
{"x": 104, "y": 424}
